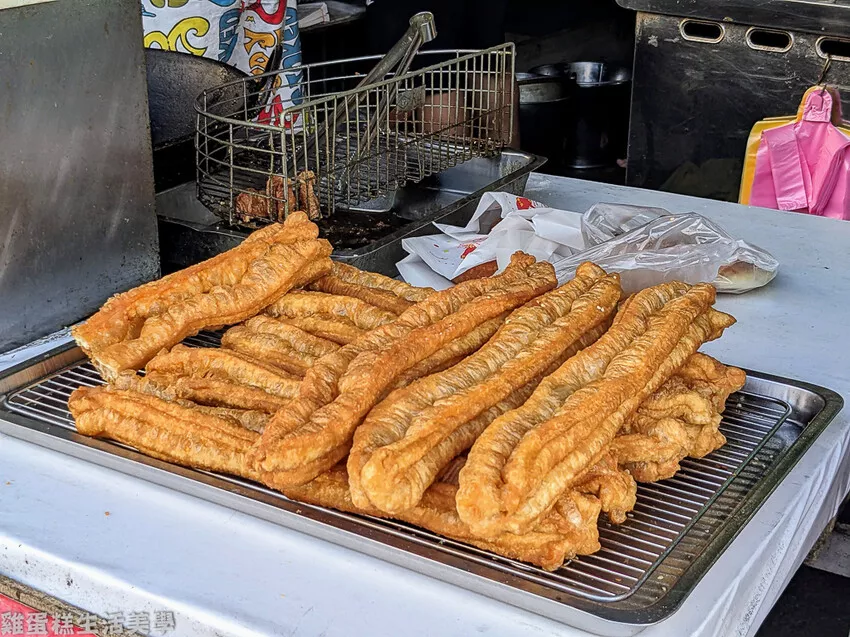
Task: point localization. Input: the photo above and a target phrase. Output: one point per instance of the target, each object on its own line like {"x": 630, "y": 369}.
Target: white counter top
{"x": 225, "y": 573}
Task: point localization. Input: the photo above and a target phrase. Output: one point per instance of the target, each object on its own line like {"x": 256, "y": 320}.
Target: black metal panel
{"x": 694, "y": 103}
{"x": 77, "y": 221}
{"x": 817, "y": 16}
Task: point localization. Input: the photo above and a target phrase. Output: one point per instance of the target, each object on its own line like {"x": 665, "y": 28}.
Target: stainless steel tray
{"x": 190, "y": 233}
{"x": 646, "y": 567}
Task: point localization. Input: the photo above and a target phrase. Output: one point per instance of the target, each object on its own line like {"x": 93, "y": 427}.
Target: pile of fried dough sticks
{"x": 506, "y": 412}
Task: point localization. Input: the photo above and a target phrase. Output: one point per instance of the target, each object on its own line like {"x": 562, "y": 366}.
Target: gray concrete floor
{"x": 817, "y": 601}
{"x": 834, "y": 557}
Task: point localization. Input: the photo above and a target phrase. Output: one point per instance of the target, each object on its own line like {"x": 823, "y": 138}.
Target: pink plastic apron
{"x": 805, "y": 166}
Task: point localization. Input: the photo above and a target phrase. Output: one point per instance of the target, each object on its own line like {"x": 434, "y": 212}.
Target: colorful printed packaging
{"x": 241, "y": 33}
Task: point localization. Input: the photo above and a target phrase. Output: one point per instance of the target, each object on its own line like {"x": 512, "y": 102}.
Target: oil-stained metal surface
{"x": 77, "y": 221}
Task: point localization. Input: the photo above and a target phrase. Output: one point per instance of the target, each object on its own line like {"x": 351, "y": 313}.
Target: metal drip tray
{"x": 646, "y": 568}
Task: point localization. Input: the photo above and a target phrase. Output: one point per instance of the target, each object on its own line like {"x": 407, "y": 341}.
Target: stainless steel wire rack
{"x": 631, "y": 552}
{"x": 646, "y": 566}
{"x": 360, "y": 142}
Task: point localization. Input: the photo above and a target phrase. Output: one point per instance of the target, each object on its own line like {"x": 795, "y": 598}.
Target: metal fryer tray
{"x": 189, "y": 232}
{"x": 646, "y": 567}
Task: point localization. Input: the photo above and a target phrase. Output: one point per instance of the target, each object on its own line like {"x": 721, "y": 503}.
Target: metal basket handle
{"x": 422, "y": 29}
{"x": 397, "y": 60}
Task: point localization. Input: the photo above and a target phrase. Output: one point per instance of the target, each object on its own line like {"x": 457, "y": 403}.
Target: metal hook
{"x": 824, "y": 70}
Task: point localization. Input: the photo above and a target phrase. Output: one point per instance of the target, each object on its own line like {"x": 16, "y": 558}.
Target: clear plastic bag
{"x": 605, "y": 221}
{"x": 647, "y": 248}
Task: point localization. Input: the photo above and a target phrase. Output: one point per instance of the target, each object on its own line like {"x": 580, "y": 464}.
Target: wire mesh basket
{"x": 337, "y": 145}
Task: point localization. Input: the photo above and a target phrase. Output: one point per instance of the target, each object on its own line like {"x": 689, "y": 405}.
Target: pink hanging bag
{"x": 804, "y": 166}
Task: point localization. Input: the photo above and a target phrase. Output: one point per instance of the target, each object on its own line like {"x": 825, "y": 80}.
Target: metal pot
{"x": 545, "y": 117}
{"x": 174, "y": 81}
{"x": 602, "y": 98}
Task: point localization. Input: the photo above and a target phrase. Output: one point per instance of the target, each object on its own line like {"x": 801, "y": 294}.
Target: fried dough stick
{"x": 681, "y": 419}
{"x": 376, "y": 289}
{"x": 231, "y": 287}
{"x": 285, "y": 346}
{"x": 364, "y": 447}
{"x": 307, "y": 198}
{"x": 336, "y": 329}
{"x": 252, "y": 419}
{"x": 408, "y": 438}
{"x": 164, "y": 430}
{"x": 527, "y": 458}
{"x": 224, "y": 365}
{"x": 631, "y": 376}
{"x": 711, "y": 378}
{"x": 569, "y": 530}
{"x": 278, "y": 194}
{"x": 212, "y": 392}
{"x": 184, "y": 435}
{"x": 315, "y": 431}
{"x": 615, "y": 488}
{"x": 453, "y": 353}
{"x": 114, "y": 321}
{"x": 362, "y": 314}
{"x": 269, "y": 349}
{"x": 295, "y": 351}
{"x": 696, "y": 395}
{"x": 310, "y": 272}
{"x": 341, "y": 319}
{"x": 222, "y": 378}
{"x": 253, "y": 204}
